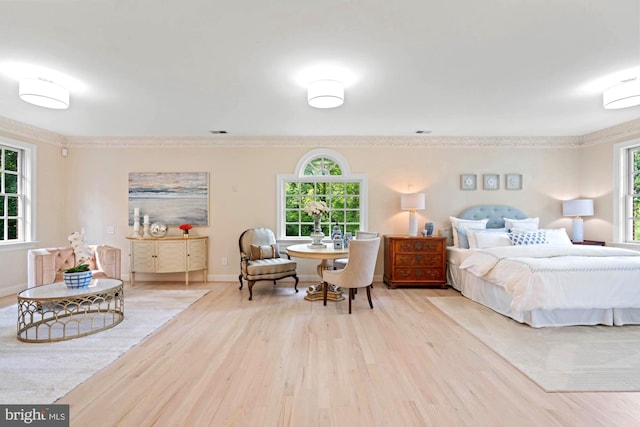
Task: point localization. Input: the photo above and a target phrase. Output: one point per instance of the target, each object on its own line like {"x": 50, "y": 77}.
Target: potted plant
{"x": 185, "y": 230}
{"x": 78, "y": 276}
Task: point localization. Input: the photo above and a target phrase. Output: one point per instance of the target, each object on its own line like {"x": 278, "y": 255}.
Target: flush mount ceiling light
{"x": 44, "y": 93}
{"x": 325, "y": 94}
{"x": 623, "y": 95}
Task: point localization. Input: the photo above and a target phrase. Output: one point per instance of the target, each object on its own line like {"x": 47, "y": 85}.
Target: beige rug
{"x": 572, "y": 358}
{"x": 41, "y": 373}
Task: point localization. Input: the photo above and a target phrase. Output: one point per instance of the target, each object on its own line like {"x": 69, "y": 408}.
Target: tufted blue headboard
{"x": 495, "y": 213}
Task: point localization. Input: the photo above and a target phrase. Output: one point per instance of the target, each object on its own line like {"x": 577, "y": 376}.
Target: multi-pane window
{"x": 322, "y": 176}
{"x": 633, "y": 195}
{"x": 11, "y": 195}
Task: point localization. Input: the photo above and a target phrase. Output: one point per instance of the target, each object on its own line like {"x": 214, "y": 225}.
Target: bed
{"x": 544, "y": 282}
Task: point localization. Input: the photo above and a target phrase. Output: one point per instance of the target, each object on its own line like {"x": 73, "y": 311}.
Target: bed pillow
{"x": 558, "y": 236}
{"x": 519, "y": 238}
{"x": 464, "y": 224}
{"x": 471, "y": 234}
{"x": 489, "y": 238}
{"x": 530, "y": 224}
{"x": 555, "y": 236}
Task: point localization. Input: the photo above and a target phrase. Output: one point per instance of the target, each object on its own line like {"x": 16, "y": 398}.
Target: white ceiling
{"x": 456, "y": 67}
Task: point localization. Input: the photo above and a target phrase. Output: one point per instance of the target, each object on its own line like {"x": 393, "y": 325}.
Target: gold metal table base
{"x": 67, "y": 316}
{"x": 314, "y": 293}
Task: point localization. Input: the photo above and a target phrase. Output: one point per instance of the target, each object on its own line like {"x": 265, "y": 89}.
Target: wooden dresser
{"x": 415, "y": 261}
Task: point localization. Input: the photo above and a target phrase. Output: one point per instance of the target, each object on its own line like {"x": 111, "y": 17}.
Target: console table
{"x": 168, "y": 255}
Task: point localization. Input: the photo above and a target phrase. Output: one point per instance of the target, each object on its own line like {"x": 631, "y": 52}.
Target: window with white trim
{"x": 632, "y": 209}
{"x": 321, "y": 175}
{"x": 16, "y": 177}
{"x": 627, "y": 189}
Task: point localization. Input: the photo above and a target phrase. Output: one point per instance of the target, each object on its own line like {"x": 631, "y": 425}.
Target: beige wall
{"x": 88, "y": 189}
{"x": 243, "y": 187}
{"x": 51, "y": 193}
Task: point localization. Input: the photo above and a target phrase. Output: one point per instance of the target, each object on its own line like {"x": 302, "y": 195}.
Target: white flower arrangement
{"x": 77, "y": 240}
{"x": 316, "y": 208}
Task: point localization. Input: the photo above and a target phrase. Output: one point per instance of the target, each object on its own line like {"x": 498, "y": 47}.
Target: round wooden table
{"x": 324, "y": 254}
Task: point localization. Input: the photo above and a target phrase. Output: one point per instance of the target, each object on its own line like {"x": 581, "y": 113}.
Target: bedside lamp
{"x": 412, "y": 202}
{"x": 577, "y": 208}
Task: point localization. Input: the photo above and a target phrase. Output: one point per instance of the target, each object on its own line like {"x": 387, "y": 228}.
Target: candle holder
{"x": 146, "y": 230}
{"x": 136, "y": 226}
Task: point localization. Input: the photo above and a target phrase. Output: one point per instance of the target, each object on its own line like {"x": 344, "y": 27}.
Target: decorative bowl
{"x": 158, "y": 229}
{"x": 80, "y": 279}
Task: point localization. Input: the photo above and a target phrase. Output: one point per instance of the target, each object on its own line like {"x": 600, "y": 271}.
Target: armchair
{"x": 44, "y": 265}
{"x": 261, "y": 260}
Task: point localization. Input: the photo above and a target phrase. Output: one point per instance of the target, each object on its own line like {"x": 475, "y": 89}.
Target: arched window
{"x": 321, "y": 175}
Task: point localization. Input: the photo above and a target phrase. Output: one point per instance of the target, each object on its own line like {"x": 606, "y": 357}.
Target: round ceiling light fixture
{"x": 325, "y": 94}
{"x": 44, "y": 93}
{"x": 623, "y": 95}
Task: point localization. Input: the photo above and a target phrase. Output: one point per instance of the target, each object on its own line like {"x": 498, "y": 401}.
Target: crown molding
{"x": 329, "y": 142}
{"x": 18, "y": 130}
{"x": 622, "y": 132}
{"x": 614, "y": 134}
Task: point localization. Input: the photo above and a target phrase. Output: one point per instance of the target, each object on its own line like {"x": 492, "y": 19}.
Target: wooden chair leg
{"x": 369, "y": 296}
{"x": 251, "y": 283}
{"x": 350, "y": 298}
{"x": 325, "y": 288}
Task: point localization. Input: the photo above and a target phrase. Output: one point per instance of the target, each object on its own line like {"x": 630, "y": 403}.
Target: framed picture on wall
{"x": 171, "y": 198}
{"x": 513, "y": 181}
{"x": 468, "y": 182}
{"x": 491, "y": 181}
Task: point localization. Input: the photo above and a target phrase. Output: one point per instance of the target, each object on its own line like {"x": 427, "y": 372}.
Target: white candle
{"x": 136, "y": 211}
{"x": 146, "y": 219}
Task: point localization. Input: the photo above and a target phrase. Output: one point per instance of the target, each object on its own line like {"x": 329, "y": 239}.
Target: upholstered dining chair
{"x": 341, "y": 262}
{"x": 260, "y": 259}
{"x": 358, "y": 273}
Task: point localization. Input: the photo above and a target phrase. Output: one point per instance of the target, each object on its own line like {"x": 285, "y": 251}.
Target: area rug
{"x": 571, "y": 358}
{"x": 41, "y": 373}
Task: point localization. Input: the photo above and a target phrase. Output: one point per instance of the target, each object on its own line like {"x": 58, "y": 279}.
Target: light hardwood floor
{"x": 280, "y": 360}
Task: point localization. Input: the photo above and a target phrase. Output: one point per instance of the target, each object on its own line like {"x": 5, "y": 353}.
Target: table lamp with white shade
{"x": 412, "y": 202}
{"x": 577, "y": 209}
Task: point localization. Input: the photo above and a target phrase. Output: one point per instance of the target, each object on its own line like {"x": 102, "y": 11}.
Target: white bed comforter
{"x": 551, "y": 277}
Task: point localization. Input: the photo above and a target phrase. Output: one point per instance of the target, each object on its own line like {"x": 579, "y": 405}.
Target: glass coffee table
{"x": 55, "y": 312}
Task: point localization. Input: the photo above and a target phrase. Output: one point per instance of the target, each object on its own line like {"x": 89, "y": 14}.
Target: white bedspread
{"x": 551, "y": 277}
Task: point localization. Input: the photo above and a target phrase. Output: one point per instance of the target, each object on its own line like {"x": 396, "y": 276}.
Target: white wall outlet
{"x": 224, "y": 260}
{"x": 111, "y": 229}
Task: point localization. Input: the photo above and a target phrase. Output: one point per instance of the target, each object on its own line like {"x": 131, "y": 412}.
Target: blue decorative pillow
{"x": 463, "y": 239}
{"x": 529, "y": 238}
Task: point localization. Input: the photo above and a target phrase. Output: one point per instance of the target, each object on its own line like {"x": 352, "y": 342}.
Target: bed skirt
{"x": 497, "y": 299}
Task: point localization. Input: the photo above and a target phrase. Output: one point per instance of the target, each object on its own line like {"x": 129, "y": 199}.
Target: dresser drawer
{"x": 418, "y": 245}
{"x": 422, "y": 260}
{"x": 419, "y": 274}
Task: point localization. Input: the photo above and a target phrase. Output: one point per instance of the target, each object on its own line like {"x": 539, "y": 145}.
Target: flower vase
{"x": 185, "y": 234}
{"x": 316, "y": 235}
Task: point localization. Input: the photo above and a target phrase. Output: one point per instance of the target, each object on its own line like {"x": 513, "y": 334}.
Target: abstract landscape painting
{"x": 172, "y": 198}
